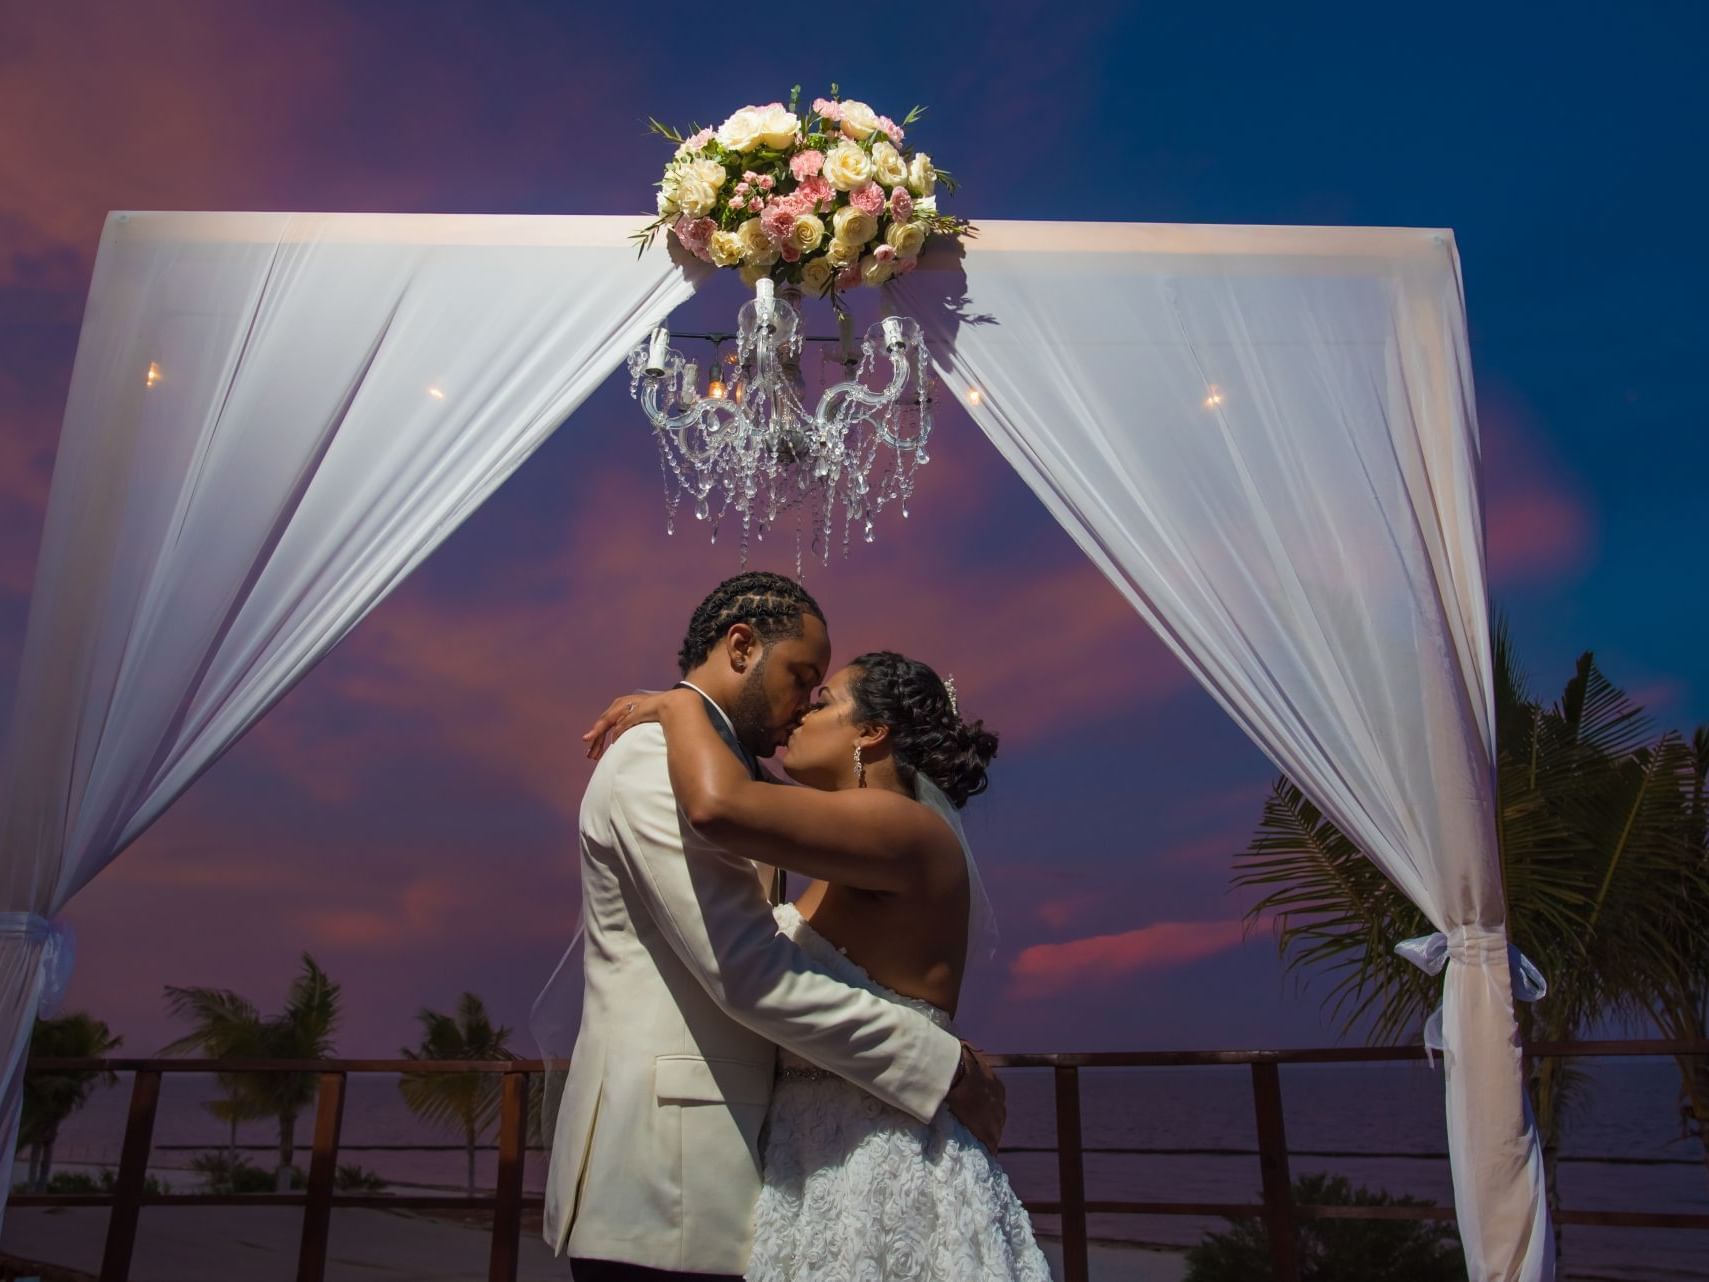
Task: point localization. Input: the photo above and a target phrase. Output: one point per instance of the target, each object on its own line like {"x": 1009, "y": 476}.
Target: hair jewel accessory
{"x": 949, "y": 689}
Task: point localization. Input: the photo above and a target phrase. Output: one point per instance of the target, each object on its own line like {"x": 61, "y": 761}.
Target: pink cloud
{"x": 1046, "y": 970}
{"x": 1535, "y": 534}
{"x": 1536, "y": 526}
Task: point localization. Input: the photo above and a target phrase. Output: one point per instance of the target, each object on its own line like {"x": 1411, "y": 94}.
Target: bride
{"x": 854, "y": 1189}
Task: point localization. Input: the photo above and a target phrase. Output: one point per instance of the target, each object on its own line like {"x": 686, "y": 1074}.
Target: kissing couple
{"x": 771, "y": 1089}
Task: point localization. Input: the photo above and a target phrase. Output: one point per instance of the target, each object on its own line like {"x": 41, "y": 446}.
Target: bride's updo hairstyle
{"x": 927, "y": 734}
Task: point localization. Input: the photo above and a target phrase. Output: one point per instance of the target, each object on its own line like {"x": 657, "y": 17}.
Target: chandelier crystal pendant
{"x": 749, "y": 442}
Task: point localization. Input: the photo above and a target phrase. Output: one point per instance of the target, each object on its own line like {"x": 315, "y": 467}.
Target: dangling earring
{"x": 860, "y": 770}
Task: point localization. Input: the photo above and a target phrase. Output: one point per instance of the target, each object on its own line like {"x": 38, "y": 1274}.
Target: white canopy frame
{"x": 1264, "y": 437}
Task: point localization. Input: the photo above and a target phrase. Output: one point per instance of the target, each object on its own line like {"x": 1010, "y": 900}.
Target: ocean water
{"x": 1629, "y": 1110}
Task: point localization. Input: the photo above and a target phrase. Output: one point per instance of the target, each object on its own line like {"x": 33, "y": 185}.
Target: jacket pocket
{"x": 689, "y": 1079}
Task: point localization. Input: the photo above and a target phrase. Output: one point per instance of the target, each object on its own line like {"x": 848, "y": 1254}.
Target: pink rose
{"x": 869, "y": 198}
{"x": 891, "y": 128}
{"x": 789, "y": 249}
{"x": 694, "y": 142}
{"x": 884, "y": 253}
{"x": 804, "y": 164}
{"x": 777, "y": 222}
{"x": 767, "y": 182}
{"x": 849, "y": 277}
{"x": 901, "y": 204}
{"x": 828, "y": 109}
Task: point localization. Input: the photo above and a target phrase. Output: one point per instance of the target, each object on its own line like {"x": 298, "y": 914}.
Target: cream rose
{"x": 853, "y": 225}
{"x": 808, "y": 232}
{"x": 843, "y": 252}
{"x": 922, "y": 178}
{"x": 888, "y": 166}
{"x": 816, "y": 275}
{"x": 757, "y": 249}
{"x": 695, "y": 196}
{"x": 778, "y": 126}
{"x": 875, "y": 271}
{"x": 847, "y": 166}
{"x": 725, "y": 248}
{"x": 709, "y": 172}
{"x": 907, "y": 239}
{"x": 859, "y": 121}
{"x": 741, "y": 132}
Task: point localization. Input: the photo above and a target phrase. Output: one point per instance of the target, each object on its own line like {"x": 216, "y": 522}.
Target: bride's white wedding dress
{"x": 859, "y": 1192}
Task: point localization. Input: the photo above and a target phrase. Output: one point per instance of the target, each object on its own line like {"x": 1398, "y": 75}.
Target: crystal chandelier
{"x": 749, "y": 442}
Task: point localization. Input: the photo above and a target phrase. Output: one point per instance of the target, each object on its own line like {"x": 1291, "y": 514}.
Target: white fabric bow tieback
{"x": 57, "y": 954}
{"x": 1470, "y": 946}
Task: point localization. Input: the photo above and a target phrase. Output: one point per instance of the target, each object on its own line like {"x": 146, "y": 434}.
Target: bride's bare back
{"x": 914, "y": 944}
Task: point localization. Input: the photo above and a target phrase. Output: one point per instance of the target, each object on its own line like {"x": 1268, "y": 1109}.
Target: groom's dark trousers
{"x": 616, "y": 1271}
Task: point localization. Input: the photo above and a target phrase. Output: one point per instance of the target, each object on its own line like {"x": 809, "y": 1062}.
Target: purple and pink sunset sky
{"x": 408, "y": 813}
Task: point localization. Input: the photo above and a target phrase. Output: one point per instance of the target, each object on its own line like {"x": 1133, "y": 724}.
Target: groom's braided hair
{"x": 771, "y": 604}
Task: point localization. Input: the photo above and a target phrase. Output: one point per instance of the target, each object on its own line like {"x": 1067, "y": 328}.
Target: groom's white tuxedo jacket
{"x": 689, "y": 990}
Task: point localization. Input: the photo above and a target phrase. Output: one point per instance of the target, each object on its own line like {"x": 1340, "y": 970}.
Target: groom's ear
{"x": 741, "y": 646}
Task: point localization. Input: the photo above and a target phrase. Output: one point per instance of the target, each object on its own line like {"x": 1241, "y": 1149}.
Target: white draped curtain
{"x": 1265, "y": 437}
{"x": 273, "y": 418}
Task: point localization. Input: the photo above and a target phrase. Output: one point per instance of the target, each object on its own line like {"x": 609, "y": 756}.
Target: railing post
{"x": 1071, "y": 1174}
{"x": 512, "y": 1153}
{"x": 323, "y": 1173}
{"x": 1273, "y": 1167}
{"x": 132, "y": 1178}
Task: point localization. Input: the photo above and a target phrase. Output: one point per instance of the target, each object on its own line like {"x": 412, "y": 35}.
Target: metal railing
{"x": 1280, "y": 1213}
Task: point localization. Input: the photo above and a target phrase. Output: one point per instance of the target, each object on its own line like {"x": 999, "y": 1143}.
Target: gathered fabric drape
{"x": 1265, "y": 437}
{"x": 273, "y": 418}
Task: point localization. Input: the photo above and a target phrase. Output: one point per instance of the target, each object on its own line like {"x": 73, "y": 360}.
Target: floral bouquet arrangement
{"x": 825, "y": 200}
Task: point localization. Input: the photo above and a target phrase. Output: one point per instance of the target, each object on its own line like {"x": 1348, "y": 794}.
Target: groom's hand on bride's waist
{"x": 977, "y": 1098}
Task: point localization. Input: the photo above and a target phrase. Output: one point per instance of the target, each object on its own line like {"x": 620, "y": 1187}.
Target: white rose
{"x": 888, "y": 166}
{"x": 875, "y": 271}
{"x": 922, "y": 178}
{"x": 816, "y": 275}
{"x": 725, "y": 248}
{"x": 807, "y": 233}
{"x": 695, "y": 196}
{"x": 847, "y": 167}
{"x": 778, "y": 126}
{"x": 843, "y": 252}
{"x": 741, "y": 132}
{"x": 754, "y": 272}
{"x": 853, "y": 225}
{"x": 860, "y": 121}
{"x": 667, "y": 206}
{"x": 907, "y": 239}
{"x": 925, "y": 205}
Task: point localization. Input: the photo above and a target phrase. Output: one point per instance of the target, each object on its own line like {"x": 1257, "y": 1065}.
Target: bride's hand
{"x": 625, "y": 713}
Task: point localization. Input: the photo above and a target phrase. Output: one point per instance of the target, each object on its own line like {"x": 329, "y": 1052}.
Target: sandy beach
{"x": 220, "y": 1244}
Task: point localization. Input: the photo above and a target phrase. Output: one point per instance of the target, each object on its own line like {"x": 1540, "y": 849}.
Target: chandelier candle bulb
{"x": 690, "y": 382}
{"x": 765, "y": 305}
{"x": 657, "y": 350}
{"x": 892, "y": 333}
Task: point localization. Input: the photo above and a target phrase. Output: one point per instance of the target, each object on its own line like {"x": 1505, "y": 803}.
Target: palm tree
{"x": 50, "y": 1098}
{"x": 228, "y": 1026}
{"x": 1602, "y": 891}
{"x": 469, "y": 1102}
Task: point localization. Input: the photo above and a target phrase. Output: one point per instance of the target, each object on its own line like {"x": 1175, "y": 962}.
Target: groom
{"x": 690, "y": 988}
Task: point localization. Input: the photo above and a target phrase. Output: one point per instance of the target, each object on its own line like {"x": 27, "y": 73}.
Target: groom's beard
{"x": 751, "y": 713}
